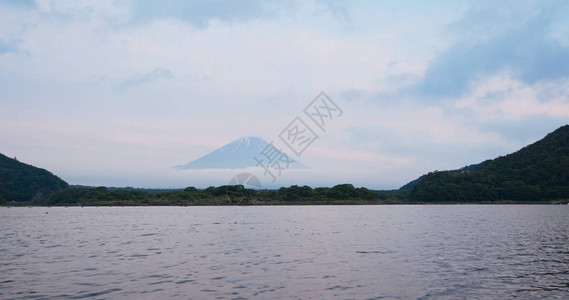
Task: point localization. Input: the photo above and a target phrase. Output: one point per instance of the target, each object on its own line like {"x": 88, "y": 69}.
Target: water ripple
{"x": 348, "y": 252}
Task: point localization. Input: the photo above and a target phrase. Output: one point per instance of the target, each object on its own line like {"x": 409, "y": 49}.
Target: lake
{"x": 304, "y": 252}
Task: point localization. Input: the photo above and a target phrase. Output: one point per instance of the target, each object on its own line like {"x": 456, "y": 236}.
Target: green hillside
{"x": 410, "y": 185}
{"x": 538, "y": 172}
{"x": 20, "y": 182}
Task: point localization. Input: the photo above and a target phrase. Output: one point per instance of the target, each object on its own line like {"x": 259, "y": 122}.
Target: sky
{"x": 117, "y": 93}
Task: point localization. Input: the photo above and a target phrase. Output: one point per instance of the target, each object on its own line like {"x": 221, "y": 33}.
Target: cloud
{"x": 6, "y": 47}
{"x": 197, "y": 12}
{"x": 527, "y": 129}
{"x": 502, "y": 97}
{"x": 145, "y": 78}
{"x": 27, "y": 4}
{"x": 338, "y": 9}
{"x": 526, "y": 49}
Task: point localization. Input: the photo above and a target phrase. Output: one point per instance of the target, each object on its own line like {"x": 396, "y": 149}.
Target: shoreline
{"x": 309, "y": 203}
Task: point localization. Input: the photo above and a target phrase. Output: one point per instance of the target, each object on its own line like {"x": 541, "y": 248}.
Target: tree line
{"x": 222, "y": 195}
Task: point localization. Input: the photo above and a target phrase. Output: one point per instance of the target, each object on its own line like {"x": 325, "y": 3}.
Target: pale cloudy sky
{"x": 116, "y": 93}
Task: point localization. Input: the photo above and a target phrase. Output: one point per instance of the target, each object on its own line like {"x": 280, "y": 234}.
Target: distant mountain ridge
{"x": 21, "y": 182}
{"x": 537, "y": 172}
{"x": 238, "y": 154}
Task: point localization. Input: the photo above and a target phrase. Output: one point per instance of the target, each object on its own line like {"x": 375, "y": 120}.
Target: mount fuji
{"x": 238, "y": 154}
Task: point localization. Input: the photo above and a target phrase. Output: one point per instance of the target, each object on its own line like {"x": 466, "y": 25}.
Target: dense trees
{"x": 221, "y": 195}
{"x": 20, "y": 182}
{"x": 538, "y": 172}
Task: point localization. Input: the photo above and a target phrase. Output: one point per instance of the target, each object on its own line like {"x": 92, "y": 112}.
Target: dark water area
{"x": 308, "y": 252}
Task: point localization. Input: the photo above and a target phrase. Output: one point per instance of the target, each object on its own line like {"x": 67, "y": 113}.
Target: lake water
{"x": 308, "y": 252}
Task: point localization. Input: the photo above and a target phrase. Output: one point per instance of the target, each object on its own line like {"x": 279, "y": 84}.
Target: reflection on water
{"x": 344, "y": 252}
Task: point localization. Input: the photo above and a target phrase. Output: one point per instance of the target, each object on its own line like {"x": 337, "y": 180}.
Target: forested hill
{"x": 537, "y": 172}
{"x": 468, "y": 168}
{"x": 24, "y": 183}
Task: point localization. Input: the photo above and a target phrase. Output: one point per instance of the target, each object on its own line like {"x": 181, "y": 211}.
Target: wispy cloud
{"x": 145, "y": 78}
{"x": 6, "y": 47}
{"x": 27, "y": 4}
{"x": 197, "y": 12}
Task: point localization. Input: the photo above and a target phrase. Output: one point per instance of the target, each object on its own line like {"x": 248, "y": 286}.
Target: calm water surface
{"x": 310, "y": 252}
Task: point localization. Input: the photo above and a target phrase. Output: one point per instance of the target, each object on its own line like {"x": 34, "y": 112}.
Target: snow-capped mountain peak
{"x": 239, "y": 154}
